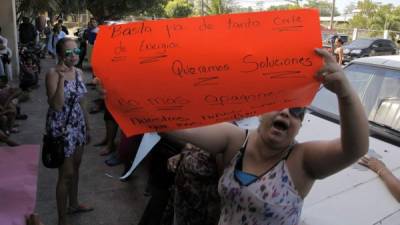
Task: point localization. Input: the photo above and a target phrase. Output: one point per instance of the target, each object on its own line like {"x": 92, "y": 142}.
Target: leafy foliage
{"x": 324, "y": 7}
{"x": 178, "y": 8}
{"x": 376, "y": 17}
{"x": 115, "y": 9}
{"x": 283, "y": 7}
{"x": 31, "y": 8}
{"x": 100, "y": 9}
{"x": 220, "y": 6}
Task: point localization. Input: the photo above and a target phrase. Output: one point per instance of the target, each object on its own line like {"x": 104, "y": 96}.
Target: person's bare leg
{"x": 3, "y": 122}
{"x": 65, "y": 176}
{"x": 103, "y": 142}
{"x": 111, "y": 133}
{"x": 4, "y": 138}
{"x": 73, "y": 191}
{"x": 11, "y": 120}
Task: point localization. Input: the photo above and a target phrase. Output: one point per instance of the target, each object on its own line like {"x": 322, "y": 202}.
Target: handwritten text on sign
{"x": 180, "y": 73}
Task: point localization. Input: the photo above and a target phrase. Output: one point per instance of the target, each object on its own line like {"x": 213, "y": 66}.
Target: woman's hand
{"x": 61, "y": 76}
{"x": 332, "y": 76}
{"x": 374, "y": 164}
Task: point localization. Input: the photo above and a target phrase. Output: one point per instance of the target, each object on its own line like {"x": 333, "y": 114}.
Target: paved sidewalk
{"x": 115, "y": 202}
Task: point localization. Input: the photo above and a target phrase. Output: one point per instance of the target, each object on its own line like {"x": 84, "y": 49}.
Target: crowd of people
{"x": 15, "y": 90}
{"x": 10, "y": 97}
{"x": 217, "y": 174}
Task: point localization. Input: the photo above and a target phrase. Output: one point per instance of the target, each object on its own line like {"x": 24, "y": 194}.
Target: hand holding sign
{"x": 174, "y": 74}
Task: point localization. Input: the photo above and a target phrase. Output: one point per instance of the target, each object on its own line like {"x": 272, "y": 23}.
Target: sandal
{"x": 113, "y": 160}
{"x": 79, "y": 209}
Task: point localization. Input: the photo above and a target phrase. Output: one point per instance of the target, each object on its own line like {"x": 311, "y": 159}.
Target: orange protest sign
{"x": 180, "y": 73}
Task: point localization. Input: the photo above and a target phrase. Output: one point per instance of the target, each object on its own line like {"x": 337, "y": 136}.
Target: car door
{"x": 351, "y": 196}
{"x": 390, "y": 47}
{"x": 377, "y": 48}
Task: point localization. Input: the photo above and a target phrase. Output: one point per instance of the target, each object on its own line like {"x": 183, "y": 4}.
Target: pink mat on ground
{"x": 18, "y": 180}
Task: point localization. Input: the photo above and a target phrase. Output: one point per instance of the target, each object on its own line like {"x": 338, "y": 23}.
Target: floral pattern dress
{"x": 270, "y": 199}
{"x": 75, "y": 131}
{"x": 194, "y": 199}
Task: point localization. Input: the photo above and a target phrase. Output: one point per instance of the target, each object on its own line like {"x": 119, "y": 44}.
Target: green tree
{"x": 294, "y": 2}
{"x": 350, "y": 8}
{"x": 376, "y": 18}
{"x": 178, "y": 8}
{"x": 260, "y": 5}
{"x": 220, "y": 6}
{"x": 365, "y": 11}
{"x": 324, "y": 7}
{"x": 283, "y": 7}
{"x": 115, "y": 9}
{"x": 100, "y": 9}
{"x": 31, "y": 8}
{"x": 387, "y": 17}
{"x": 157, "y": 10}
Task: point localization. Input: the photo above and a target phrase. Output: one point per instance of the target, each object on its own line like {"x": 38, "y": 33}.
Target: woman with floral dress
{"x": 65, "y": 93}
{"x": 267, "y": 173}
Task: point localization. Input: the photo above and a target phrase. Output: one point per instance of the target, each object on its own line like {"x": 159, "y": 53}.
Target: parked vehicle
{"x": 351, "y": 196}
{"x": 368, "y": 47}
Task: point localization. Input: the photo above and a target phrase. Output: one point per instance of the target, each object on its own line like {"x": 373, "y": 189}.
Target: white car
{"x": 356, "y": 195}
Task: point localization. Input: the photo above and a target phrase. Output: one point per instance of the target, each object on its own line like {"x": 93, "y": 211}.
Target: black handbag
{"x": 53, "y": 147}
{"x": 53, "y": 151}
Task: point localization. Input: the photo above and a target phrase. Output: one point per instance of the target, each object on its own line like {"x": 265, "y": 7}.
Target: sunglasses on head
{"x": 70, "y": 52}
{"x": 297, "y": 112}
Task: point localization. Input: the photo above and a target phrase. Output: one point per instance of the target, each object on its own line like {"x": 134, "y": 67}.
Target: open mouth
{"x": 280, "y": 125}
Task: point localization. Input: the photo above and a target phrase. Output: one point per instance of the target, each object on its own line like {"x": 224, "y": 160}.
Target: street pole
{"x": 332, "y": 14}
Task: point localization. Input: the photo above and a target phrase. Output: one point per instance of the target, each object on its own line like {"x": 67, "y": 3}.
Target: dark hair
{"x": 60, "y": 21}
{"x": 0, "y": 30}
{"x": 340, "y": 40}
{"x": 57, "y": 27}
{"x": 61, "y": 45}
{"x": 25, "y": 19}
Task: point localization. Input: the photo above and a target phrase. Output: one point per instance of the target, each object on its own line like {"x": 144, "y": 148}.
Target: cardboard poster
{"x": 180, "y": 73}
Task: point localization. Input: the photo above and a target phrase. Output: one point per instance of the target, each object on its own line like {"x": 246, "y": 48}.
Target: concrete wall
{"x": 8, "y": 24}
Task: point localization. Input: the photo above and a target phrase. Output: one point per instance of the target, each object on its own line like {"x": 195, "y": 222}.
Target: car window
{"x": 360, "y": 43}
{"x": 389, "y": 44}
{"x": 379, "y": 90}
{"x": 379, "y": 44}
{"x": 344, "y": 38}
